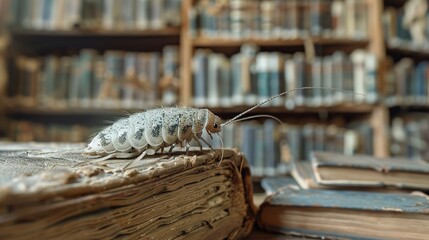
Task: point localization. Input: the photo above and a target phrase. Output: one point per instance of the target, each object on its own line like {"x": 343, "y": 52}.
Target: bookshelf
{"x": 407, "y": 101}
{"x": 41, "y": 42}
{"x": 375, "y": 113}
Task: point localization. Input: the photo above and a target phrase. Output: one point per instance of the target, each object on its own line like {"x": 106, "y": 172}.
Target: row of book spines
{"x": 249, "y": 79}
{"x": 279, "y": 19}
{"x": 94, "y": 14}
{"x": 269, "y": 147}
{"x": 88, "y": 80}
{"x": 407, "y": 82}
{"x": 410, "y": 136}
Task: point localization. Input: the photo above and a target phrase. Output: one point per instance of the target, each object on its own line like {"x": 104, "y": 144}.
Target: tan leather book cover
{"x": 44, "y": 195}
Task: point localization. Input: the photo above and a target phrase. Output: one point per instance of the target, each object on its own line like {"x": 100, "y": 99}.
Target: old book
{"x": 167, "y": 197}
{"x": 339, "y": 170}
{"x": 330, "y": 214}
{"x": 303, "y": 174}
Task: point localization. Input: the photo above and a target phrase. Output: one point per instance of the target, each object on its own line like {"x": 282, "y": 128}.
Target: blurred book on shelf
{"x": 270, "y": 147}
{"x": 409, "y": 136}
{"x": 94, "y": 14}
{"x": 407, "y": 82}
{"x": 251, "y": 76}
{"x": 112, "y": 79}
{"x": 241, "y": 19}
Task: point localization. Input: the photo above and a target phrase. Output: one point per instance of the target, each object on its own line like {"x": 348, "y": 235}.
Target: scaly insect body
{"x": 152, "y": 130}
{"x": 147, "y": 132}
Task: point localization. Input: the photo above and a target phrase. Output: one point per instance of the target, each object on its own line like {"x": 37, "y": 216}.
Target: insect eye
{"x": 215, "y": 125}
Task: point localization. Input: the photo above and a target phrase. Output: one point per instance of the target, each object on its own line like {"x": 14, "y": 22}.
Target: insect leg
{"x": 171, "y": 148}
{"x": 109, "y": 156}
{"x": 162, "y": 147}
{"x": 207, "y": 143}
{"x": 198, "y": 142}
{"x": 188, "y": 145}
{"x": 142, "y": 155}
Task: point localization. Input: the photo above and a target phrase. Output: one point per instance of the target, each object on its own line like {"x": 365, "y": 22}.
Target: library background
{"x": 68, "y": 69}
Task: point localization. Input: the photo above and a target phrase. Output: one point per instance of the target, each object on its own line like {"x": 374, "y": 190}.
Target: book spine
{"x": 316, "y": 76}
{"x": 213, "y": 91}
{"x": 276, "y": 82}
{"x": 371, "y": 76}
{"x": 262, "y": 69}
{"x": 225, "y": 83}
{"x": 200, "y": 77}
{"x": 171, "y": 71}
{"x": 338, "y": 76}
{"x": 236, "y": 80}
{"x": 299, "y": 65}
{"x": 358, "y": 59}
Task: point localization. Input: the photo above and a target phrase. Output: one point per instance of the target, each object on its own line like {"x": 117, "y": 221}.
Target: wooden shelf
{"x": 70, "y": 112}
{"x": 339, "y": 108}
{"x": 221, "y": 42}
{"x": 96, "y": 111}
{"x": 81, "y": 33}
{"x": 394, "y": 3}
{"x": 408, "y": 52}
{"x": 420, "y": 106}
{"x": 42, "y": 42}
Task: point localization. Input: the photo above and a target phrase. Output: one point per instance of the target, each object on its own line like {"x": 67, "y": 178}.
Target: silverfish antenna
{"x": 221, "y": 143}
{"x": 284, "y": 93}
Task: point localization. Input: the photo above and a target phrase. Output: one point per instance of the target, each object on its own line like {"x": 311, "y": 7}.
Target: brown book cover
{"x": 44, "y": 195}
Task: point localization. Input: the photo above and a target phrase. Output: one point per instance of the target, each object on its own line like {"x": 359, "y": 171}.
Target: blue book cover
{"x": 346, "y": 214}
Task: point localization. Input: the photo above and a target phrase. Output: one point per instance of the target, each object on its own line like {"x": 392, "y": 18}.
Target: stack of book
{"x": 250, "y": 77}
{"x": 113, "y": 79}
{"x": 358, "y": 197}
{"x": 270, "y": 147}
{"x": 94, "y": 14}
{"x": 279, "y": 19}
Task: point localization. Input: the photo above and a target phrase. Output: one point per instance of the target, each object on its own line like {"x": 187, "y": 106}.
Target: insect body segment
{"x": 152, "y": 130}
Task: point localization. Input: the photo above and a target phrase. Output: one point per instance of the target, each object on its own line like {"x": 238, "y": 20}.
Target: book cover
{"x": 45, "y": 195}
{"x": 362, "y": 170}
{"x": 332, "y": 214}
